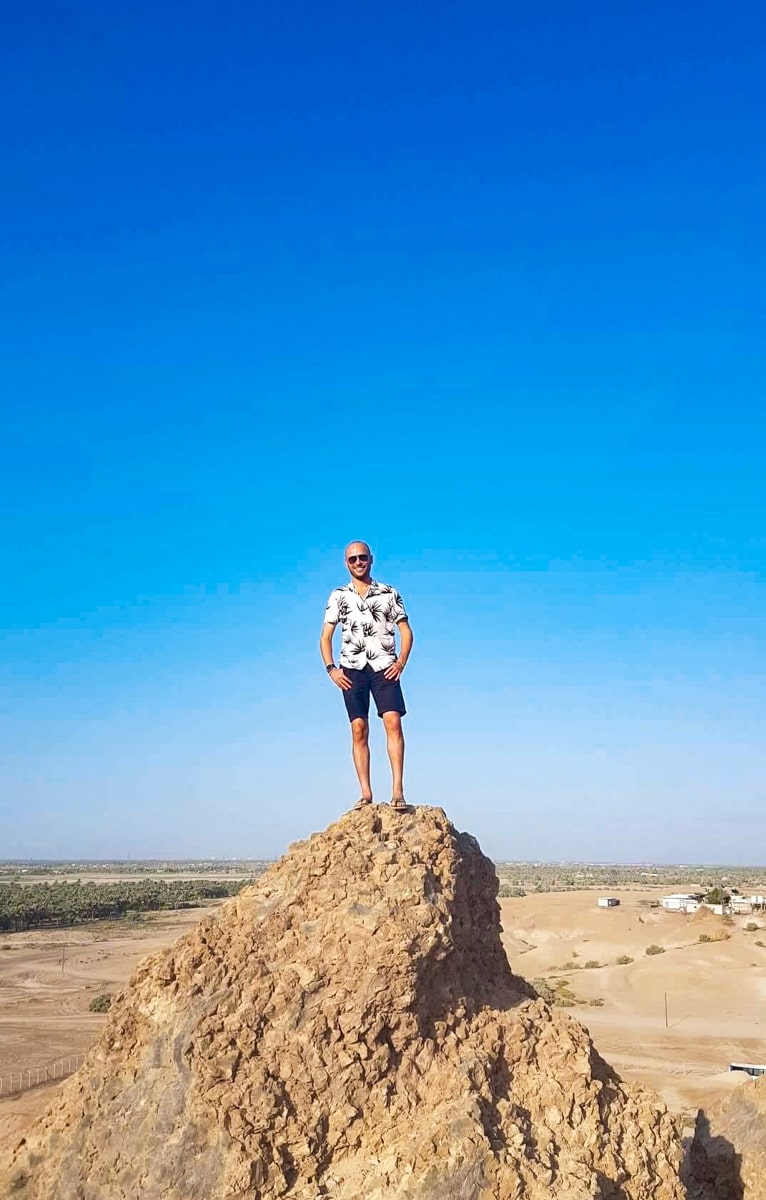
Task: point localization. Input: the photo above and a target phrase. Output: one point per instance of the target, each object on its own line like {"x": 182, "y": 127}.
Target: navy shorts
{"x": 387, "y": 693}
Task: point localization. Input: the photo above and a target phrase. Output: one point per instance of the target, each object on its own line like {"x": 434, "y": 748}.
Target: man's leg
{"x": 357, "y": 702}
{"x": 360, "y": 749}
{"x": 392, "y": 722}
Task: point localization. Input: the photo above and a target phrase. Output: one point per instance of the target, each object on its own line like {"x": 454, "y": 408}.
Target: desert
{"x": 715, "y": 989}
{"x": 708, "y": 970}
{"x": 47, "y": 982}
{"x": 349, "y": 1026}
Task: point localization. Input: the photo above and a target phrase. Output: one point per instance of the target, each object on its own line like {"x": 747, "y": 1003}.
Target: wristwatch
{"x": 330, "y": 667}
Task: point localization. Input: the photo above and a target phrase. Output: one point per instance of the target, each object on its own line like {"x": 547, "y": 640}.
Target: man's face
{"x": 358, "y": 559}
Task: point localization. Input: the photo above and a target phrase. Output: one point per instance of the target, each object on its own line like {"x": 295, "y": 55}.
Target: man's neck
{"x": 362, "y": 586}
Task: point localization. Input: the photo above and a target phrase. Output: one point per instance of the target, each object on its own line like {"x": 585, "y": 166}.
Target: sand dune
{"x": 715, "y": 991}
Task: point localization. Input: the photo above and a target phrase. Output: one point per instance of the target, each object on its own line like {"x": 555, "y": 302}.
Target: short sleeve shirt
{"x": 367, "y": 624}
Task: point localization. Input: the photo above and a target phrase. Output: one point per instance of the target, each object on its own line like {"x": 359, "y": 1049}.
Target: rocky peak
{"x": 348, "y": 1027}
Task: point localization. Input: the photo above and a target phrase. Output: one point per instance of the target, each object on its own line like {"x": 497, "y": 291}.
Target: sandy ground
{"x": 44, "y": 1010}
{"x": 715, "y": 991}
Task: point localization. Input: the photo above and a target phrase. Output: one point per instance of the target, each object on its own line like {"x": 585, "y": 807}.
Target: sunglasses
{"x": 354, "y": 558}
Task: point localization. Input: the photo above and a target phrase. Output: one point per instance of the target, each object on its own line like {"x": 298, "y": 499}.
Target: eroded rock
{"x": 349, "y": 1028}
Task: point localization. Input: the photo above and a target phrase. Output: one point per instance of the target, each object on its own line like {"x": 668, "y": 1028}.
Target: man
{"x": 368, "y": 613}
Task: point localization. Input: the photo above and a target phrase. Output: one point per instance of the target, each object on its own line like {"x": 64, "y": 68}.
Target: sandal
{"x": 362, "y": 802}
{"x": 399, "y": 804}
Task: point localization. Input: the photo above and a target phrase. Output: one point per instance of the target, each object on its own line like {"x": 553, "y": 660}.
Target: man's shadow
{"x": 711, "y": 1169}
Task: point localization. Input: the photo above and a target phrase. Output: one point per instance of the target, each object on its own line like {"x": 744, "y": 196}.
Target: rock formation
{"x": 727, "y": 1160}
{"x": 348, "y": 1028}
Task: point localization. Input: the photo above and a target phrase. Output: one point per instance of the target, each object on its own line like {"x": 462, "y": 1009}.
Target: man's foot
{"x": 363, "y": 802}
{"x": 399, "y": 804}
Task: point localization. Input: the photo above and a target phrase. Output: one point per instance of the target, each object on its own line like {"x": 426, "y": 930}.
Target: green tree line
{"x": 30, "y": 906}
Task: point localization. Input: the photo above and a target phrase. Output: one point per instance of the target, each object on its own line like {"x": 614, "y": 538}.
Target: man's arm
{"x": 338, "y": 676}
{"x": 406, "y": 638}
{"x": 325, "y": 643}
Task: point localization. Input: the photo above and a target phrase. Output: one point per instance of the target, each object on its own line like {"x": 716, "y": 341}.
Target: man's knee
{"x": 392, "y": 722}
{"x": 360, "y": 731}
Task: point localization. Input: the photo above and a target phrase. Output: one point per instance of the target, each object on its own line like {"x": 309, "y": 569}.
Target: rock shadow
{"x": 608, "y": 1189}
{"x": 472, "y": 972}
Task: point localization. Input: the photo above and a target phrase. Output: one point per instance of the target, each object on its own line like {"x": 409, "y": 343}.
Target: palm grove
{"x": 35, "y": 905}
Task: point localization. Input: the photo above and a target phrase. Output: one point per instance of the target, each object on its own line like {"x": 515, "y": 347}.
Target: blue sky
{"x": 480, "y": 284}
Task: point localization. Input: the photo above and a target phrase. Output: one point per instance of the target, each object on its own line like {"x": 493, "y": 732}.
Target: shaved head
{"x": 357, "y": 548}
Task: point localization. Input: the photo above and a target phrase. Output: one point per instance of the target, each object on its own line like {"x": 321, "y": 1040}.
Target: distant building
{"x": 740, "y": 904}
{"x": 752, "y": 1069}
{"x": 687, "y": 902}
{"x": 758, "y": 901}
{"x": 607, "y": 902}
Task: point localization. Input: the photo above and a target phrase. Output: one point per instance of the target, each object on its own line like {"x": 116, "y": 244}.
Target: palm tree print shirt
{"x": 367, "y": 623}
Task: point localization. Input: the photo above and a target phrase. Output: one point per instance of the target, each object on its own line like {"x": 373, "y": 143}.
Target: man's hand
{"x": 395, "y": 670}
{"x": 340, "y": 679}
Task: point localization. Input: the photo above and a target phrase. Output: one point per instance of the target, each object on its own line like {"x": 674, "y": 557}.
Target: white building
{"x": 752, "y": 1069}
{"x": 681, "y": 902}
{"x": 607, "y": 902}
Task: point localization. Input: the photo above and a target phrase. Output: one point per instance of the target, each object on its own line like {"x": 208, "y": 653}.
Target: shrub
{"x": 544, "y": 990}
{"x": 571, "y": 966}
{"x": 565, "y": 997}
{"x": 556, "y": 991}
{"x": 751, "y": 927}
{"x": 703, "y": 937}
{"x": 597, "y": 1003}
{"x": 623, "y": 960}
{"x": 654, "y": 949}
{"x": 101, "y": 1004}
{"x": 591, "y": 963}
{"x": 763, "y": 944}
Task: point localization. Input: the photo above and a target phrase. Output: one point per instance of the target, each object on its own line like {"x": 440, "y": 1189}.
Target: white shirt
{"x": 367, "y": 624}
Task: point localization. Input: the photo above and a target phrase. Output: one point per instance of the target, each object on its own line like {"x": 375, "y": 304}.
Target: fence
{"x": 696, "y": 1069}
{"x": 21, "y": 1081}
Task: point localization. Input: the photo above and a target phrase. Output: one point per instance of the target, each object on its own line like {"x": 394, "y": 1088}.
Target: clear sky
{"x": 479, "y": 283}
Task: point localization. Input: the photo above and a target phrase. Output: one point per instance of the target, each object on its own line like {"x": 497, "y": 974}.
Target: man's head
{"x": 359, "y": 560}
